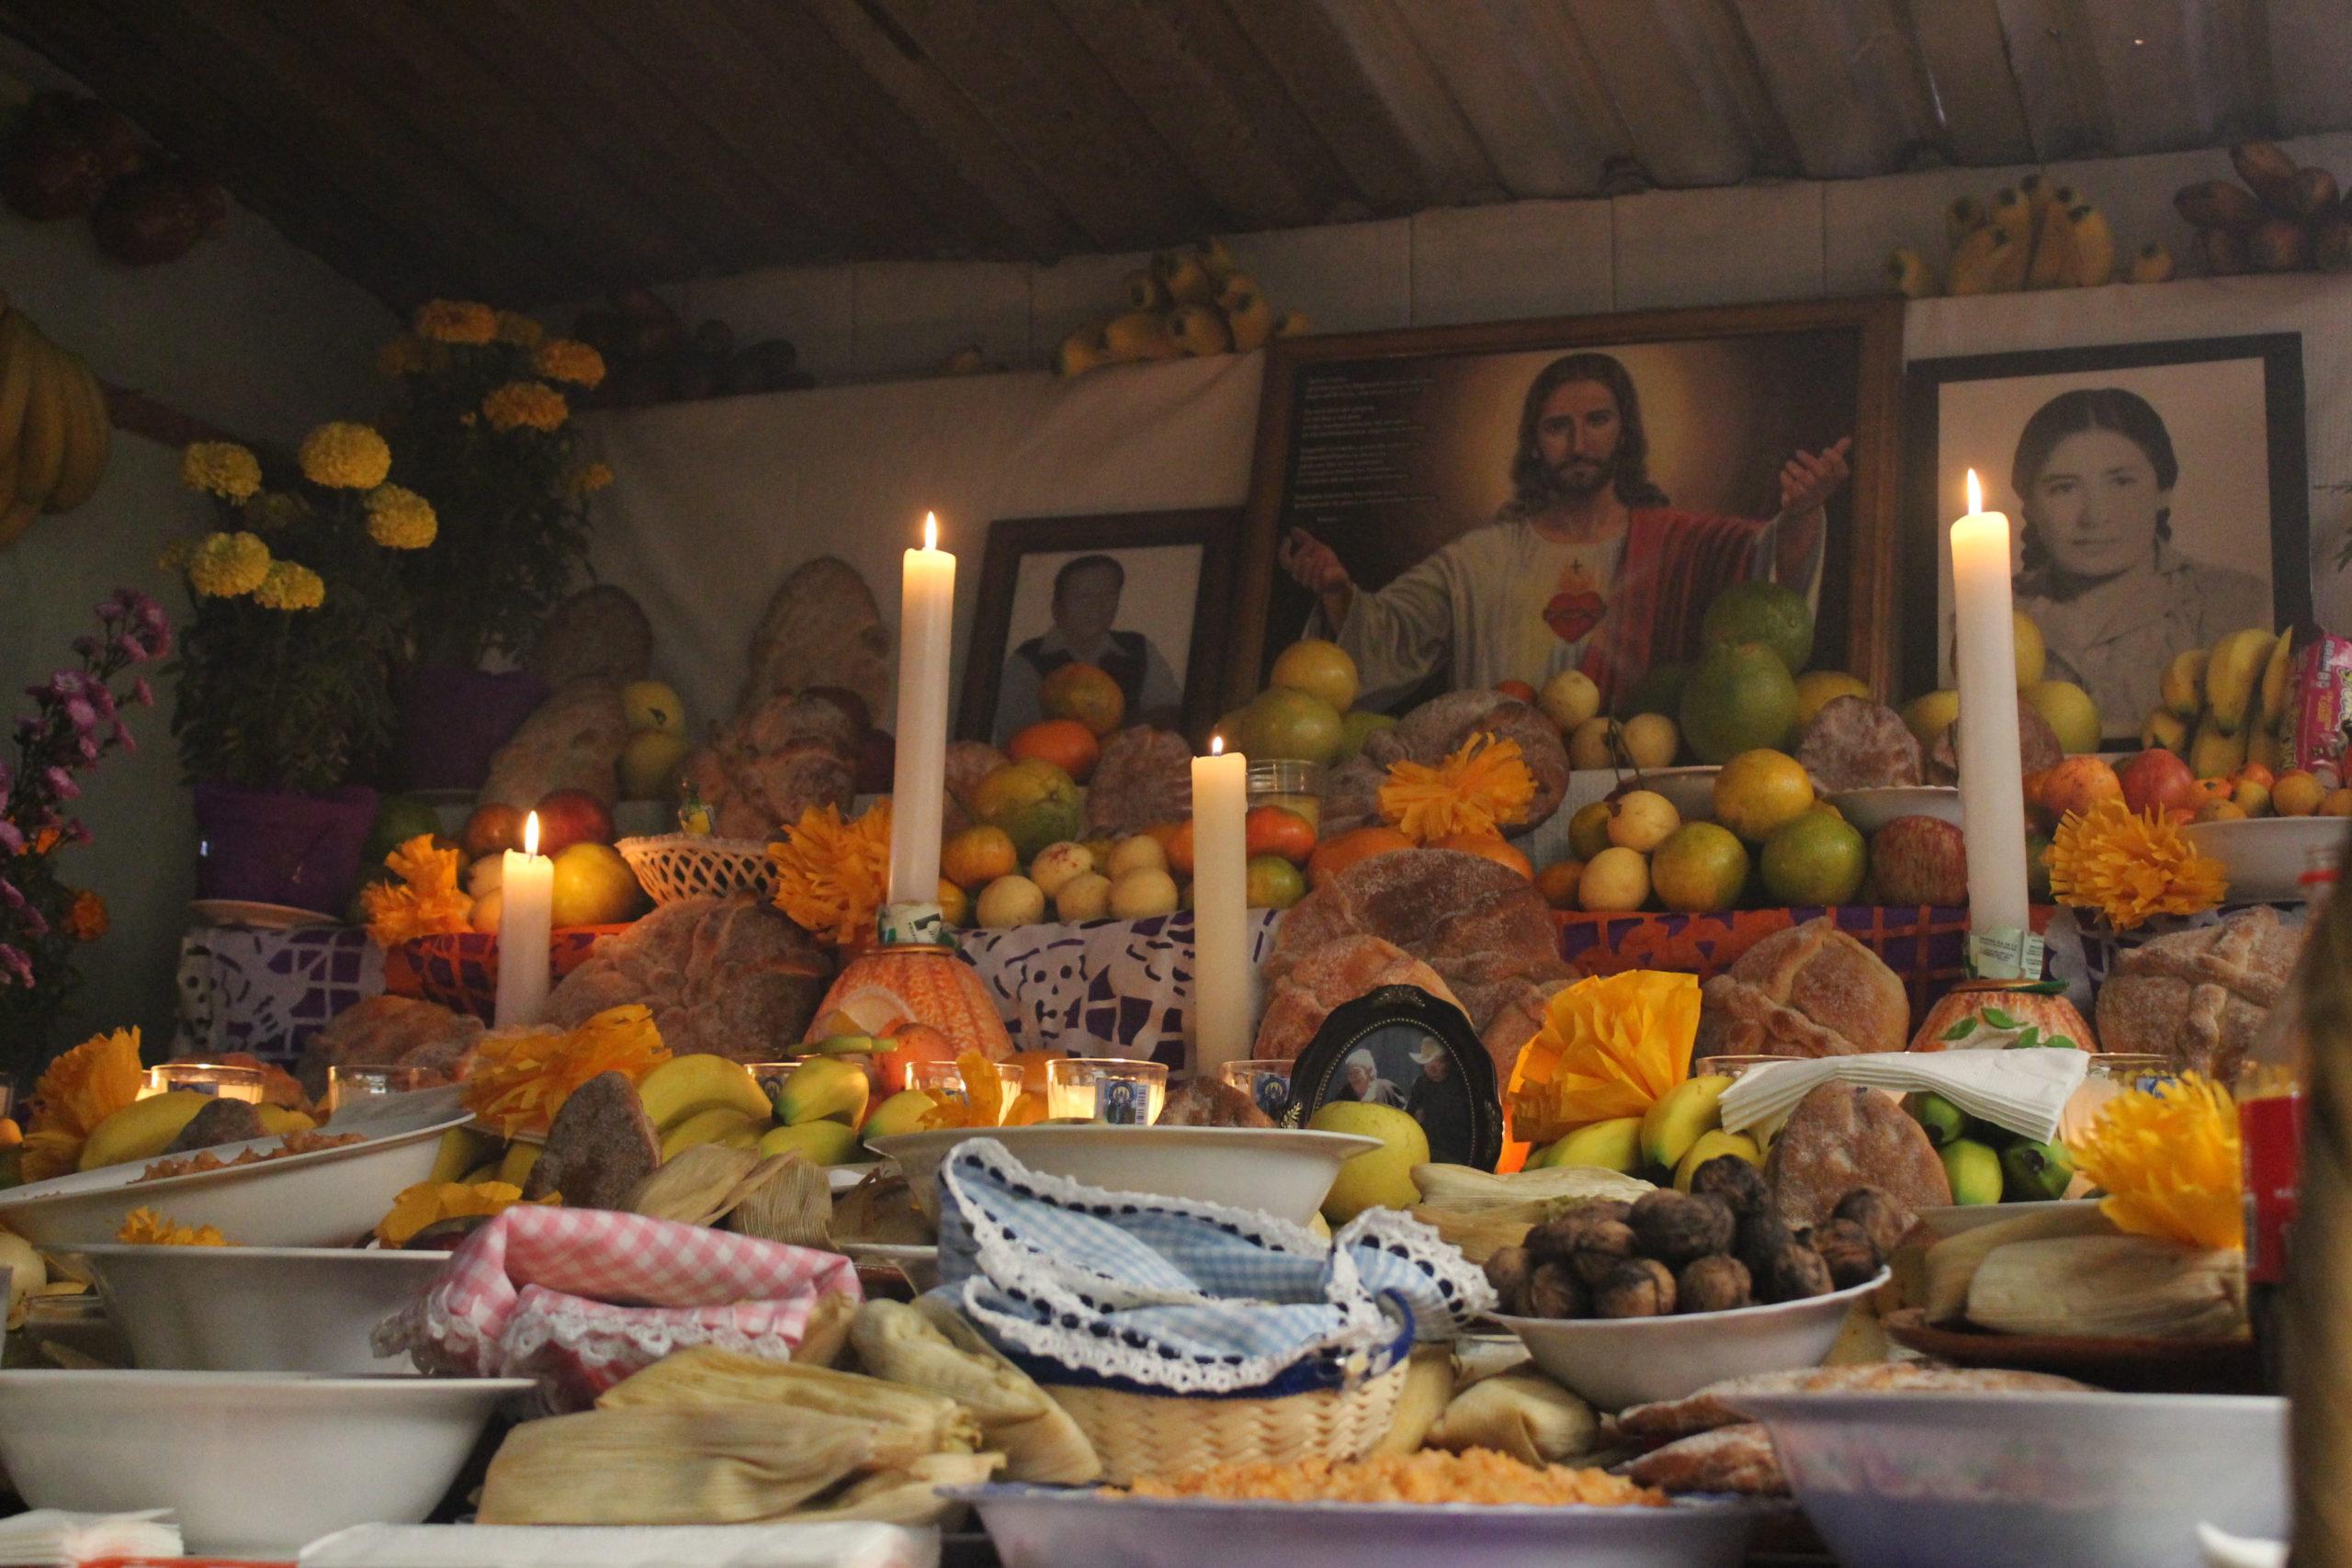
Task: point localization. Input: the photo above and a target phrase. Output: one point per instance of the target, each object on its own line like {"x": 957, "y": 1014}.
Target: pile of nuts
{"x": 1717, "y": 1247}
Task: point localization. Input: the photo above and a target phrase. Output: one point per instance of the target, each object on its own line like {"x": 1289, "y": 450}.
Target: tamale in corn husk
{"x": 1947, "y": 1268}
{"x": 1522, "y": 1413}
{"x": 881, "y": 1211}
{"x": 1429, "y": 1389}
{"x": 703, "y": 1377}
{"x": 693, "y": 1186}
{"x": 909, "y": 1496}
{"x": 826, "y": 1333}
{"x": 929, "y": 1346}
{"x": 720, "y": 1464}
{"x": 2132, "y": 1286}
{"x": 786, "y": 1198}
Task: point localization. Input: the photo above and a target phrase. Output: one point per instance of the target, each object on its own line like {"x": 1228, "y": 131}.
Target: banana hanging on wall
{"x": 54, "y": 430}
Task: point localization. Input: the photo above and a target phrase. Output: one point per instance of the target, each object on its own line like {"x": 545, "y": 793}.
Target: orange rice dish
{"x": 1476, "y": 1476}
{"x": 293, "y": 1144}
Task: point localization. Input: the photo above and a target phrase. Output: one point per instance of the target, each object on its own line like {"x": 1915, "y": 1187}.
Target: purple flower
{"x": 15, "y": 962}
{"x": 10, "y": 839}
{"x": 82, "y": 713}
{"x": 142, "y": 693}
{"x": 60, "y": 782}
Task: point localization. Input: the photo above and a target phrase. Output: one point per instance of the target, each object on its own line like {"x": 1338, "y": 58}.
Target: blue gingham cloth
{"x": 1156, "y": 1295}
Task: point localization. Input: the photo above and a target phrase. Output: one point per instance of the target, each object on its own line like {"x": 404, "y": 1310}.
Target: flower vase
{"x": 883, "y": 987}
{"x": 453, "y": 719}
{"x": 275, "y": 847}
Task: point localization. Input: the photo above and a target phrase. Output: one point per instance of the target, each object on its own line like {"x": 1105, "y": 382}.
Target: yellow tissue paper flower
{"x": 81, "y": 1088}
{"x": 341, "y": 455}
{"x": 2129, "y": 866}
{"x": 430, "y": 1202}
{"x": 224, "y": 566}
{"x": 455, "y": 320}
{"x": 145, "y": 1227}
{"x": 1482, "y": 788}
{"x": 399, "y": 519}
{"x": 287, "y": 586}
{"x": 520, "y": 404}
{"x": 1610, "y": 1045}
{"x": 832, "y": 875}
{"x": 984, "y": 1095}
{"x": 425, "y": 901}
{"x": 2167, "y": 1157}
{"x": 221, "y": 468}
{"x": 566, "y": 359}
{"x": 522, "y": 1078}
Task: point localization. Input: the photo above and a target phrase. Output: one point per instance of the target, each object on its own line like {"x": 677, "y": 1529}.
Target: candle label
{"x": 2004, "y": 955}
{"x": 911, "y": 925}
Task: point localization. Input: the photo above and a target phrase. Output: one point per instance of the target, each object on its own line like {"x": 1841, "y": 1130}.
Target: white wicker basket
{"x": 1140, "y": 1433}
{"x": 687, "y": 866}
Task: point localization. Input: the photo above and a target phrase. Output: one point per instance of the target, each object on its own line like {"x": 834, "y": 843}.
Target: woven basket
{"x": 460, "y": 970}
{"x": 1144, "y": 1433}
{"x": 687, "y": 865}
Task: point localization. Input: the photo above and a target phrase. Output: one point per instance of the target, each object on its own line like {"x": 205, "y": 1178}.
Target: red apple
{"x": 877, "y": 761}
{"x": 1920, "y": 860}
{"x": 568, "y": 817}
{"x": 2155, "y": 780}
{"x": 2073, "y": 786}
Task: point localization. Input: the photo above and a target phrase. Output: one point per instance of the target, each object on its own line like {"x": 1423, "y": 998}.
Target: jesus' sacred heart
{"x": 1576, "y": 608}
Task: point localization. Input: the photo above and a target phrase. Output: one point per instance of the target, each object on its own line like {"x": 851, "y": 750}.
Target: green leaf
{"x": 1961, "y": 1030}
{"x": 1999, "y": 1019}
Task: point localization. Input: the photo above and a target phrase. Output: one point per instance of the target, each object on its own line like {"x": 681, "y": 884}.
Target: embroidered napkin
{"x": 2023, "y": 1090}
{"x": 1079, "y": 1284}
{"x": 581, "y": 1298}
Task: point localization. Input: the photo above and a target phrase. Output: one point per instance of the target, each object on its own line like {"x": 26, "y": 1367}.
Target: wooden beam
{"x": 2058, "y": 80}
{"x": 1972, "y": 97}
{"x": 1844, "y": 79}
{"x": 1514, "y": 78}
{"x": 1680, "y": 76}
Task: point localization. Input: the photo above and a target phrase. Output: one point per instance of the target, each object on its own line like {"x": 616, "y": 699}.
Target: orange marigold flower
{"x": 526, "y": 403}
{"x": 86, "y": 917}
{"x": 455, "y": 320}
{"x": 521, "y": 1078}
{"x": 519, "y": 331}
{"x": 590, "y": 478}
{"x": 1481, "y": 788}
{"x": 425, "y": 901}
{"x": 81, "y": 1088}
{"x": 2129, "y": 866}
{"x": 568, "y": 359}
{"x": 832, "y": 875}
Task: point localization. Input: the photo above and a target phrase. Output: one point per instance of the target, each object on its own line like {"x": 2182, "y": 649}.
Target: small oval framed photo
{"x": 1401, "y": 1047}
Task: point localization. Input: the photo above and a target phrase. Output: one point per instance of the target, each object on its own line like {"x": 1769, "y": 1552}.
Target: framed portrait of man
{"x": 2156, "y": 494}
{"x": 1133, "y": 595}
{"x": 1459, "y": 506}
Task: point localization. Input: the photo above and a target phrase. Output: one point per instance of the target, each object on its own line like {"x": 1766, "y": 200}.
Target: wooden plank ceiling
{"x": 534, "y": 151}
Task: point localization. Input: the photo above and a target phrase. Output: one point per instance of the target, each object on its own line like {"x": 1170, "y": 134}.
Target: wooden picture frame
{"x": 1396, "y": 1033}
{"x": 1858, "y": 571}
{"x": 1212, "y": 531}
{"x": 2229, "y": 413}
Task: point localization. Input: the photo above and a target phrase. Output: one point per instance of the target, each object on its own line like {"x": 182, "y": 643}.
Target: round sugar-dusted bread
{"x": 731, "y": 977}
{"x": 1144, "y": 776}
{"x": 1853, "y": 743}
{"x": 1330, "y": 976}
{"x": 1811, "y": 991}
{"x": 1842, "y": 1136}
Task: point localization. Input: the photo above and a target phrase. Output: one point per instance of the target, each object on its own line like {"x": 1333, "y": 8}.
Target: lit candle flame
{"x": 531, "y": 834}
{"x": 931, "y": 530}
{"x": 1216, "y": 745}
{"x": 1975, "y": 494}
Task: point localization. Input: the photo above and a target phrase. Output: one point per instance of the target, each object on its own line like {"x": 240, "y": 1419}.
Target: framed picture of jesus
{"x": 1462, "y": 506}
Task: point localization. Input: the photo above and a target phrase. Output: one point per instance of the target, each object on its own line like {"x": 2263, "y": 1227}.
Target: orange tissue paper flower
{"x": 430, "y": 1202}
{"x": 521, "y": 1077}
{"x": 2167, "y": 1157}
{"x": 2129, "y": 866}
{"x": 81, "y": 1088}
{"x": 1609, "y": 1046}
{"x": 1482, "y": 788}
{"x": 832, "y": 875}
{"x": 145, "y": 1227}
{"x": 425, "y": 901}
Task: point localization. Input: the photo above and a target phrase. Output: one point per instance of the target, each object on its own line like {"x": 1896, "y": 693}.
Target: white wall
{"x": 247, "y": 333}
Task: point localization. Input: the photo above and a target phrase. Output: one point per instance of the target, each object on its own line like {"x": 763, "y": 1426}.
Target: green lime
{"x": 1814, "y": 859}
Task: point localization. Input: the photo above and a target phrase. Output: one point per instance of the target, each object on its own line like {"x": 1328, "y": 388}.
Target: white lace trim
{"x": 438, "y": 1338}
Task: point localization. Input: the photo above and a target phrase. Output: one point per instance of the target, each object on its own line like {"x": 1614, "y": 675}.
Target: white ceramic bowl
{"x": 258, "y": 1308}
{"x": 2029, "y": 1479}
{"x": 1870, "y": 809}
{"x": 2267, "y": 856}
{"x": 331, "y": 1197}
{"x": 1617, "y": 1362}
{"x": 256, "y": 1464}
{"x": 1281, "y": 1171}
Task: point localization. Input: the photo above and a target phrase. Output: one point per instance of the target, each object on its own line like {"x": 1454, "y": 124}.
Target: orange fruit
{"x": 1557, "y": 883}
{"x": 913, "y": 1043}
{"x": 1519, "y": 689}
{"x": 1083, "y": 692}
{"x": 1032, "y": 1067}
{"x": 977, "y": 856}
{"x": 2257, "y": 773}
{"x": 1490, "y": 845}
{"x": 1277, "y": 830}
{"x": 1334, "y": 855}
{"x": 1065, "y": 742}
{"x": 1179, "y": 845}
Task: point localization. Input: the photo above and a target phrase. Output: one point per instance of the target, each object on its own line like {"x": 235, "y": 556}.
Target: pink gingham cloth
{"x": 581, "y": 1298}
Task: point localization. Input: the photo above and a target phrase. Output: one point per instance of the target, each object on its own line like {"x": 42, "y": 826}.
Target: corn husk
{"x": 1522, "y": 1413}
{"x": 1951, "y": 1263}
{"x": 720, "y": 1464}
{"x": 1429, "y": 1389}
{"x": 931, "y": 1346}
{"x": 694, "y": 1185}
{"x": 909, "y": 1496}
{"x": 1483, "y": 1356}
{"x": 1468, "y": 1188}
{"x": 2097, "y": 1286}
{"x": 704, "y": 1377}
{"x": 881, "y": 1211}
{"x": 826, "y": 1333}
{"x": 786, "y": 1198}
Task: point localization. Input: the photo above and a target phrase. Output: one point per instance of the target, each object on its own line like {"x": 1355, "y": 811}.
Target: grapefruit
{"x": 1083, "y": 692}
{"x": 1035, "y": 801}
{"x": 1740, "y": 697}
{"x": 1320, "y": 668}
{"x": 1814, "y": 859}
{"x": 1293, "y": 725}
{"x": 1761, "y": 612}
{"x": 593, "y": 886}
{"x": 1065, "y": 742}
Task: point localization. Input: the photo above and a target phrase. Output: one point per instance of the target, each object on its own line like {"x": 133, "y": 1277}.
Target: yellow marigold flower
{"x": 81, "y": 1088}
{"x": 343, "y": 455}
{"x": 455, "y": 320}
{"x": 1480, "y": 789}
{"x": 399, "y": 519}
{"x": 425, "y": 901}
{"x": 567, "y": 359}
{"x": 519, "y": 330}
{"x": 86, "y": 917}
{"x": 174, "y": 556}
{"x": 533, "y": 404}
{"x": 224, "y": 566}
{"x": 221, "y": 468}
{"x": 2131, "y": 866}
{"x": 273, "y": 510}
{"x": 831, "y": 874}
{"x": 291, "y": 587}
{"x": 430, "y": 1202}
{"x": 590, "y": 478}
{"x": 2168, "y": 1158}
{"x": 145, "y": 1227}
{"x": 520, "y": 1080}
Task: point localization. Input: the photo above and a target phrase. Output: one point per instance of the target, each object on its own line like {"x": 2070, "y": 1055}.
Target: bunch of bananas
{"x": 55, "y": 430}
{"x": 1190, "y": 302}
{"x": 2034, "y": 235}
{"x": 2285, "y": 218}
{"x": 2226, "y": 706}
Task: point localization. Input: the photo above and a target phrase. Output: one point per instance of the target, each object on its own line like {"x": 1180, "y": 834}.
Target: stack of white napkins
{"x": 586, "y": 1546}
{"x": 2024, "y": 1091}
{"x": 53, "y": 1535}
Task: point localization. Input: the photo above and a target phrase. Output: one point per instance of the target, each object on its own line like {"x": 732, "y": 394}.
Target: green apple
{"x": 1376, "y": 1179}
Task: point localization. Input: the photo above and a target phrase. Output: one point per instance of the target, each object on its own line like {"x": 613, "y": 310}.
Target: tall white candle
{"x": 527, "y": 898}
{"x": 1223, "y": 1026}
{"x": 1992, "y": 788}
{"x": 926, "y": 636}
